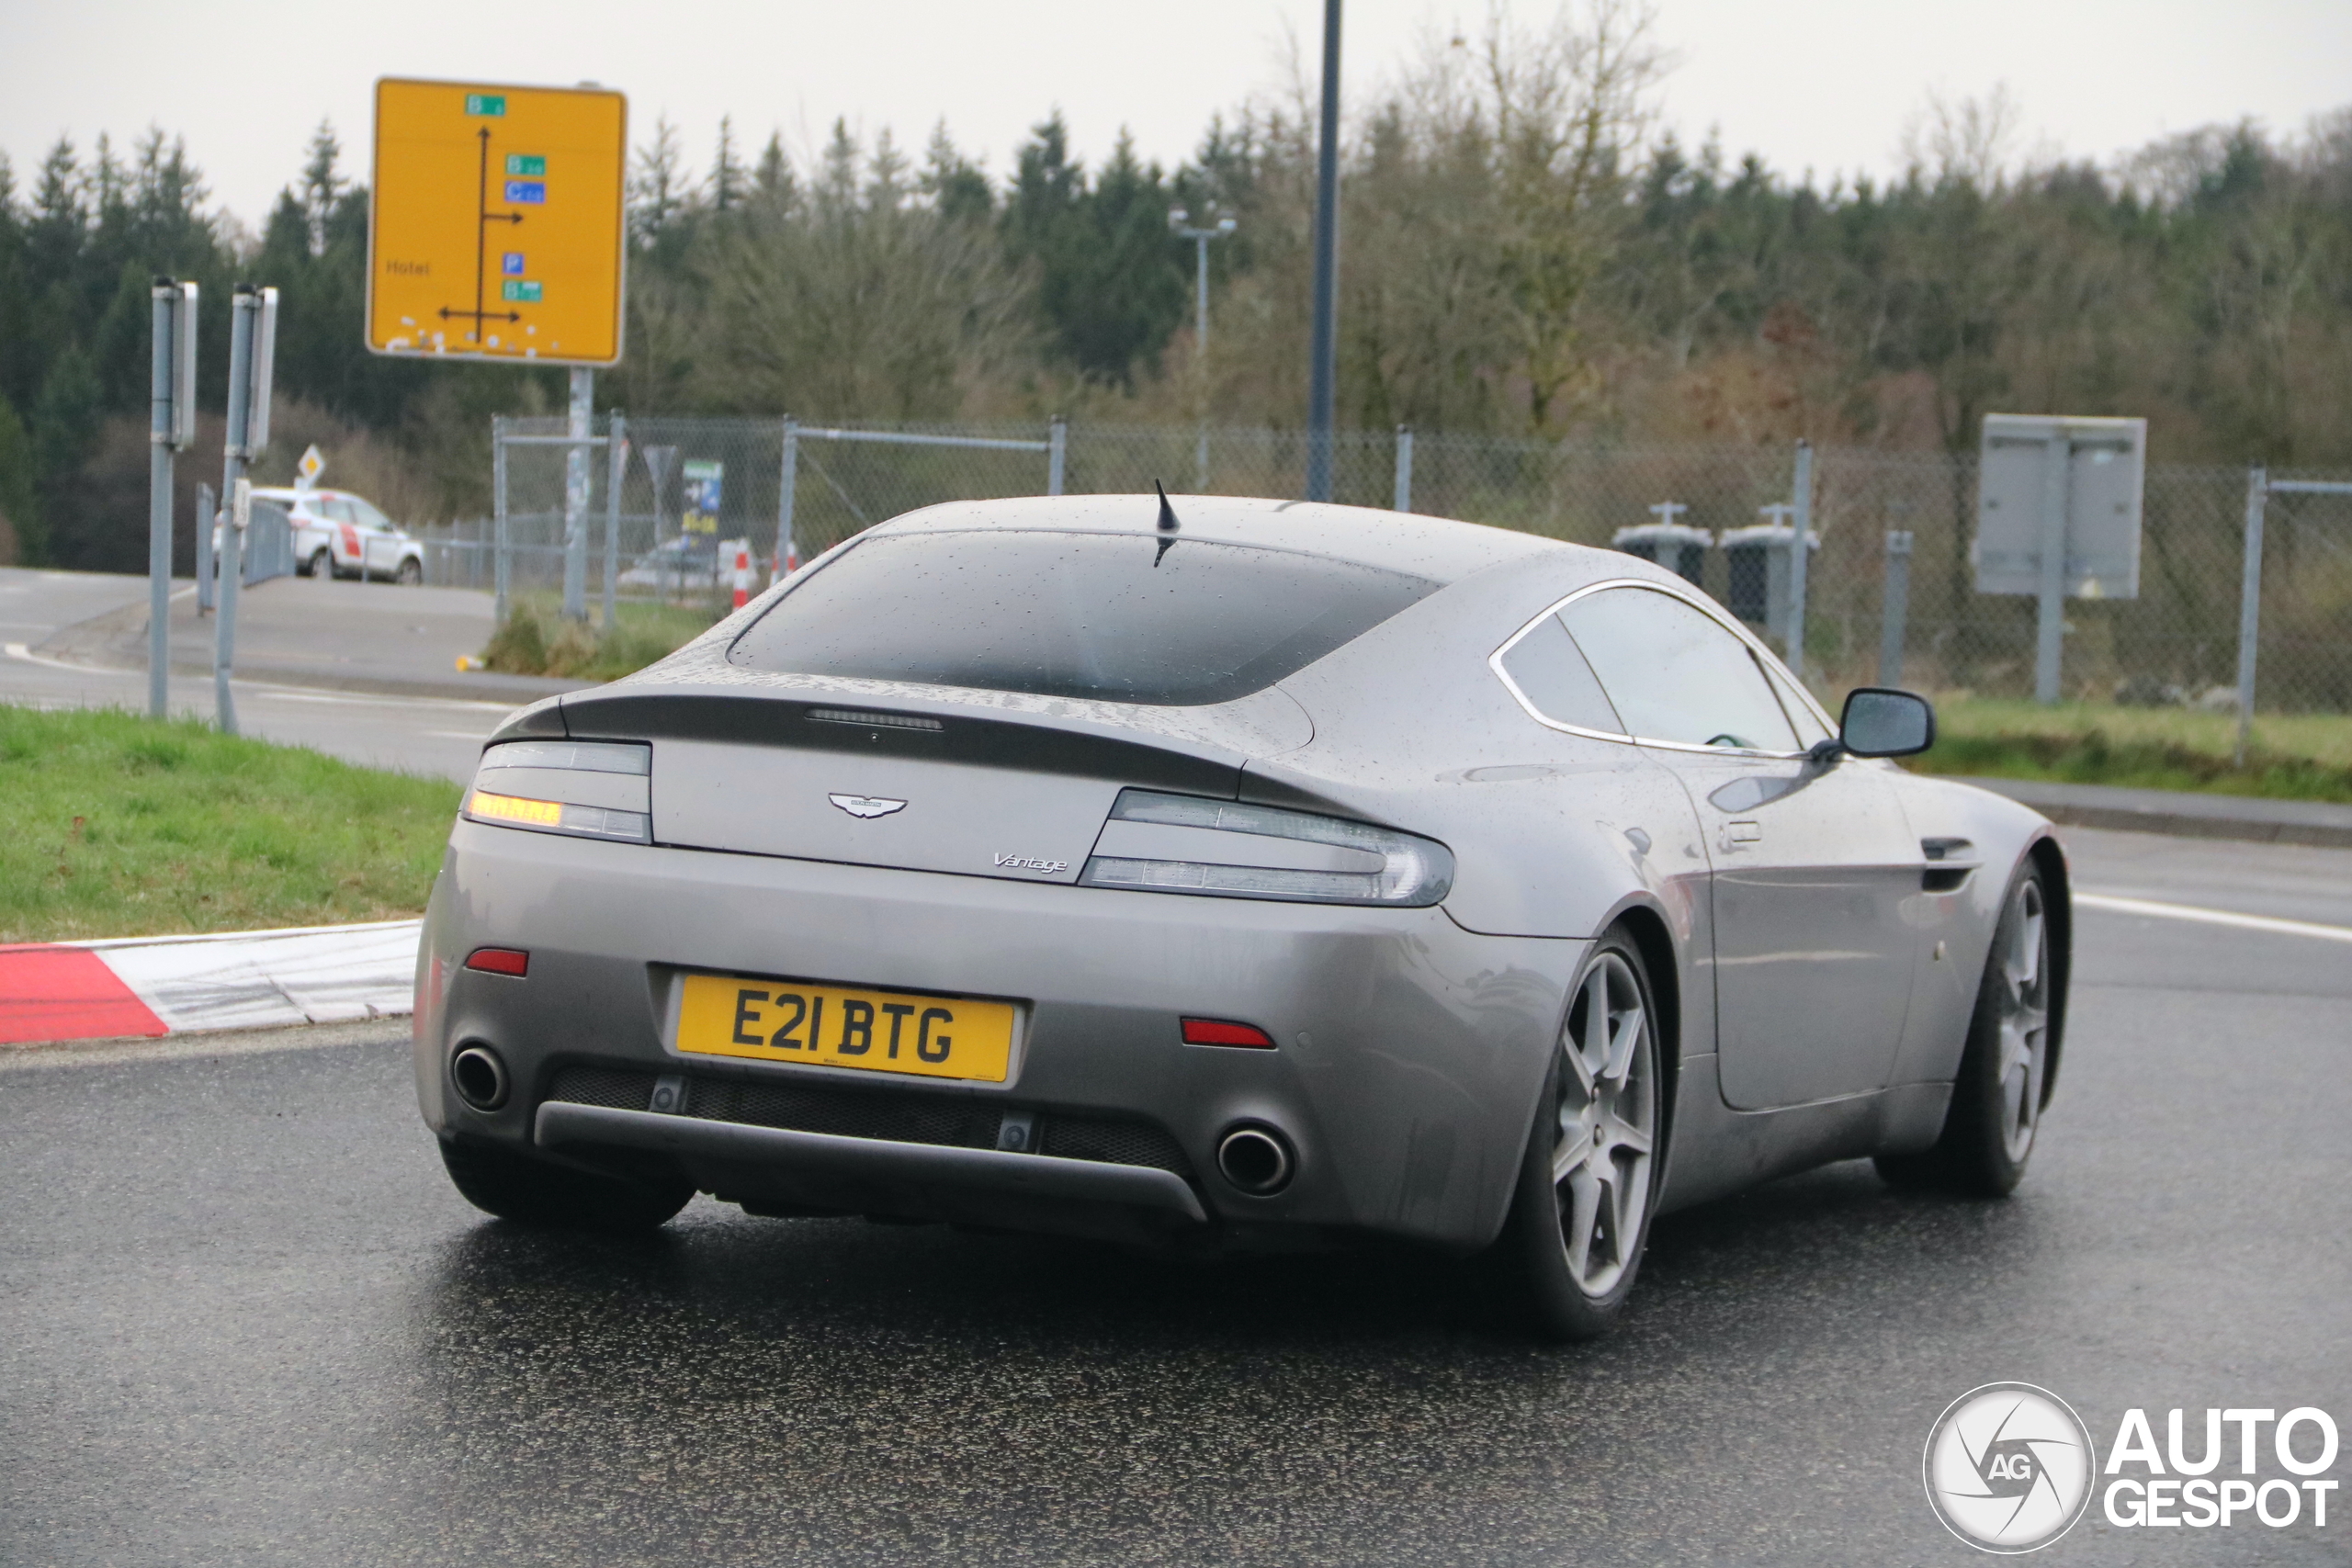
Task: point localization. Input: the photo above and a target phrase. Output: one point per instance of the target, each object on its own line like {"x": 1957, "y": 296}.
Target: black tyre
{"x": 1581, "y": 1218}
{"x": 323, "y": 566}
{"x": 1996, "y": 1098}
{"x": 412, "y": 572}
{"x": 531, "y": 1192}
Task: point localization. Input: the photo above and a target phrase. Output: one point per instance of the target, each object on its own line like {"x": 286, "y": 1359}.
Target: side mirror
{"x": 1881, "y": 722}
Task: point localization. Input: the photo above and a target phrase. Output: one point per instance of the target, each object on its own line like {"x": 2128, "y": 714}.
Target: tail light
{"x": 589, "y": 789}
{"x": 1181, "y": 843}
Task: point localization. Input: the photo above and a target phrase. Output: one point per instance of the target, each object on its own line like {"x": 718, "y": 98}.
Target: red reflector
{"x": 500, "y": 961}
{"x": 1214, "y": 1031}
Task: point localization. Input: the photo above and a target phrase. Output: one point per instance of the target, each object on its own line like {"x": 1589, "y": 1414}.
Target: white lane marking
{"x": 284, "y": 693}
{"x": 18, "y": 650}
{"x": 2149, "y": 906}
{"x": 358, "y": 699}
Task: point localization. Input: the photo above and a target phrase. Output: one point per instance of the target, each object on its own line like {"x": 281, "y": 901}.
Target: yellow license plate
{"x": 835, "y": 1026}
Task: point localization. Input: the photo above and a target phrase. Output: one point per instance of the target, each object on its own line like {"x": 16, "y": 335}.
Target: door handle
{"x": 1737, "y": 834}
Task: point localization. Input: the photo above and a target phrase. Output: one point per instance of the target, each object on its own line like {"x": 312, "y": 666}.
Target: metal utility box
{"x": 2053, "y": 478}
{"x": 1758, "y": 559}
{"x": 1677, "y": 547}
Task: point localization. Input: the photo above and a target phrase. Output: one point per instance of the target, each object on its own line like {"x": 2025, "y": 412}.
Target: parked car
{"x": 1239, "y": 875}
{"x": 337, "y": 533}
{"x": 689, "y": 560}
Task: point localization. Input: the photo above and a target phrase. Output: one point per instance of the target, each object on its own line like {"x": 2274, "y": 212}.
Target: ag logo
{"x": 2008, "y": 1467}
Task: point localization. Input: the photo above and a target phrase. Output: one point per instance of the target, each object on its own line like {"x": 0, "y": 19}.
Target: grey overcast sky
{"x": 1819, "y": 84}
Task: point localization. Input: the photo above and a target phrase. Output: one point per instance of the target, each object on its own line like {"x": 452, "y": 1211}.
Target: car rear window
{"x": 1121, "y": 617}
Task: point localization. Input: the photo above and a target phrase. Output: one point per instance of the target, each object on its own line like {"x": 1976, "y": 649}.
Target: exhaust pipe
{"x": 1257, "y": 1160}
{"x": 479, "y": 1077}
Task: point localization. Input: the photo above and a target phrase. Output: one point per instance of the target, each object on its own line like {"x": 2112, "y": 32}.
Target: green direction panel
{"x": 520, "y": 291}
{"x": 526, "y": 163}
{"x": 492, "y": 105}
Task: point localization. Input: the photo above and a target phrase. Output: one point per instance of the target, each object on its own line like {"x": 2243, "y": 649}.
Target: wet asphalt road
{"x": 243, "y": 1320}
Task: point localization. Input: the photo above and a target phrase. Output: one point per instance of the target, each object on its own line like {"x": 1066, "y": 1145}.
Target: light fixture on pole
{"x": 1179, "y": 225}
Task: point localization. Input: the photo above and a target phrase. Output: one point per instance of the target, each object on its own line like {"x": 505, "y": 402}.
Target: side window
{"x": 364, "y": 513}
{"x": 1553, "y": 678}
{"x": 336, "y": 509}
{"x": 1810, "y": 729}
{"x": 1674, "y": 674}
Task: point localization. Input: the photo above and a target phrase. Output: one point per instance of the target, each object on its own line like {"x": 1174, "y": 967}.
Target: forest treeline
{"x": 1523, "y": 252}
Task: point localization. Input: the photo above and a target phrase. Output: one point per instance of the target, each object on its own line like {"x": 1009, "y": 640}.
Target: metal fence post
{"x": 787, "y": 549}
{"x": 616, "y": 449}
{"x": 1404, "y": 497}
{"x": 1057, "y": 455}
{"x": 1800, "y": 547}
{"x": 499, "y": 569}
{"x": 1895, "y": 607}
{"x": 2049, "y": 613}
{"x": 2257, "y": 495}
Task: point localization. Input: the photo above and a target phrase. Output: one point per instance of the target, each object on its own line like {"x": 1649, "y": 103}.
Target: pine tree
{"x": 726, "y": 174}
{"x": 20, "y": 530}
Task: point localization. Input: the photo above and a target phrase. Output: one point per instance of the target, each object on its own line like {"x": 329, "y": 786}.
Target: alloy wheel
{"x": 1607, "y": 1125}
{"x": 2023, "y": 1024}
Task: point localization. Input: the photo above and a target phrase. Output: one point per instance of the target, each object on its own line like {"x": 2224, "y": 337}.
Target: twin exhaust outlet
{"x": 1255, "y": 1160}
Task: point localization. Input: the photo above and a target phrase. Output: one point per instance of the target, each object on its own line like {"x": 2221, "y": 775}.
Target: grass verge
{"x": 534, "y": 639}
{"x": 115, "y": 825}
{"x": 2292, "y": 757}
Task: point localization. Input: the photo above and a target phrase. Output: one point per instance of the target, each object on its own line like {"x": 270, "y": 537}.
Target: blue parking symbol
{"x": 512, "y": 263}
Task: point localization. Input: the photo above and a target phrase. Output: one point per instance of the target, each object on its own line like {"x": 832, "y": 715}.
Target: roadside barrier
{"x": 156, "y": 985}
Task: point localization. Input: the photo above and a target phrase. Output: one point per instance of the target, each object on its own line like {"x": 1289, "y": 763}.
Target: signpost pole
{"x": 244, "y": 312}
{"x": 165, "y": 295}
{"x": 1403, "y": 500}
{"x": 206, "y": 509}
{"x": 498, "y": 574}
{"x": 575, "y": 494}
{"x": 2050, "y": 625}
{"x": 2257, "y": 496}
{"x": 1057, "y": 455}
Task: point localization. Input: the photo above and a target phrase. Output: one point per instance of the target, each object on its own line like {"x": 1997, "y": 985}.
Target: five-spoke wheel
{"x": 2022, "y": 1021}
{"x": 2004, "y": 1074}
{"x": 1581, "y": 1215}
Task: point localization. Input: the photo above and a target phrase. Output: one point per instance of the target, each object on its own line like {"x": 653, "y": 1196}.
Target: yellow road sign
{"x": 494, "y": 222}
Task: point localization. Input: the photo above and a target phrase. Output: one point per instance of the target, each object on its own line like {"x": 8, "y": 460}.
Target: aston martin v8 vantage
{"x": 1226, "y": 874}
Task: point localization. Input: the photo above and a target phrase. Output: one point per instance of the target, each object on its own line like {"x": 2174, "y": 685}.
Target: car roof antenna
{"x": 1167, "y": 523}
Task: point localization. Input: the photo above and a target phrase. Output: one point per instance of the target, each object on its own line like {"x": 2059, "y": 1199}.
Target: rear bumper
{"x": 1410, "y": 1051}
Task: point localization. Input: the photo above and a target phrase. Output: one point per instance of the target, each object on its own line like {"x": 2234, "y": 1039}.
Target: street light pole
{"x": 1323, "y": 370}
{"x": 1178, "y": 223}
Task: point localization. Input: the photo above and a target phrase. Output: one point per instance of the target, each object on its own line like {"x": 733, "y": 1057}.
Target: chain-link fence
{"x": 689, "y": 484}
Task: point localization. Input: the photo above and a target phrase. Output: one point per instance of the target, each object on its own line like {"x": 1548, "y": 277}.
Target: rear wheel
{"x": 323, "y": 566}
{"x": 1581, "y": 1216}
{"x": 530, "y": 1192}
{"x": 412, "y": 572}
{"x": 1997, "y": 1097}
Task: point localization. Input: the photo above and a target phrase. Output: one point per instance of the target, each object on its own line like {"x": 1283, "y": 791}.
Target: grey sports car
{"x": 1225, "y": 875}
